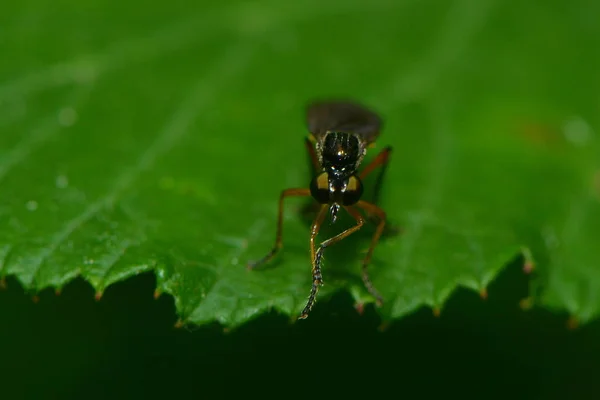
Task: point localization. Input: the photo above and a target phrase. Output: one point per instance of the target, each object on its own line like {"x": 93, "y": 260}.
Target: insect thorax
{"x": 340, "y": 153}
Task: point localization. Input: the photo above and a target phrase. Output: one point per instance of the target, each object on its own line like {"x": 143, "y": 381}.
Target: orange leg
{"x": 314, "y": 231}
{"x": 318, "y": 254}
{"x": 312, "y": 207}
{"x": 298, "y": 192}
{"x": 373, "y": 210}
{"x": 317, "y": 277}
{"x": 380, "y": 161}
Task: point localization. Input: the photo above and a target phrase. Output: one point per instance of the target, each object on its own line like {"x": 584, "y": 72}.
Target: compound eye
{"x": 353, "y": 192}
{"x": 319, "y": 188}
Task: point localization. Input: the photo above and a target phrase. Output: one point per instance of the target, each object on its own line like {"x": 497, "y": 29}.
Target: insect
{"x": 340, "y": 134}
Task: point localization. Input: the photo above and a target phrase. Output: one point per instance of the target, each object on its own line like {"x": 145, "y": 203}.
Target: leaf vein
{"x": 229, "y": 65}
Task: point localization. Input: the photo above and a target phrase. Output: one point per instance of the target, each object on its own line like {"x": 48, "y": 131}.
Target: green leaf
{"x": 159, "y": 141}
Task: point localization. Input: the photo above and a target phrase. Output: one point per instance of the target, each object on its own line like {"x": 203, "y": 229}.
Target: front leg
{"x": 301, "y": 192}
{"x": 317, "y": 277}
{"x": 382, "y": 160}
{"x": 317, "y": 255}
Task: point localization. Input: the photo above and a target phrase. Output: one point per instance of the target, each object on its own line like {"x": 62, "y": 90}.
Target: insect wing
{"x": 343, "y": 116}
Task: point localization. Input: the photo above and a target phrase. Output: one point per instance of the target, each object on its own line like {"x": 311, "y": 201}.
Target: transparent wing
{"x": 343, "y": 116}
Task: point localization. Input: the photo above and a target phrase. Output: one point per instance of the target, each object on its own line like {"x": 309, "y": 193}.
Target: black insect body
{"x": 341, "y": 132}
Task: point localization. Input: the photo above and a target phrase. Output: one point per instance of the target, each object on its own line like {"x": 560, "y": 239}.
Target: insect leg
{"x": 318, "y": 254}
{"x": 298, "y": 192}
{"x": 374, "y": 210}
{"x": 317, "y": 278}
{"x": 311, "y": 208}
{"x": 380, "y": 161}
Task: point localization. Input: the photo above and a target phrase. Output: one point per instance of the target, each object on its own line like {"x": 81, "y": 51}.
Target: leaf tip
{"x": 528, "y": 263}
{"x": 178, "y": 324}
{"x": 572, "y": 323}
{"x": 3, "y": 285}
{"x": 528, "y": 267}
{"x": 157, "y": 294}
{"x": 98, "y": 295}
{"x": 436, "y": 312}
{"x": 483, "y": 293}
{"x": 360, "y": 308}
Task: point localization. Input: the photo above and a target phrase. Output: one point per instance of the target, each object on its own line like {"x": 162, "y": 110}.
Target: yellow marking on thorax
{"x": 323, "y": 181}
{"x": 352, "y": 184}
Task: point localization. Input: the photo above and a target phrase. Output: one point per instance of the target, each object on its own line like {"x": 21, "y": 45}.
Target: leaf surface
{"x": 161, "y": 142}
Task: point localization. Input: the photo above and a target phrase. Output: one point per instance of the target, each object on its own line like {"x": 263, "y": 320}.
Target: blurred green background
{"x": 126, "y": 68}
